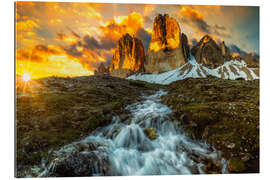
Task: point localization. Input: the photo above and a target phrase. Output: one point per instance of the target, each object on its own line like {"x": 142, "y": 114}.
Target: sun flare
{"x": 26, "y": 77}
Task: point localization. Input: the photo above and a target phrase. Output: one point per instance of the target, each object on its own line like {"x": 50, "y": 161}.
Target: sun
{"x": 26, "y": 77}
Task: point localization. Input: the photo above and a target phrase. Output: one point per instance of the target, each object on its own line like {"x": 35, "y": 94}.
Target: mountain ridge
{"x": 169, "y": 50}
{"x": 233, "y": 69}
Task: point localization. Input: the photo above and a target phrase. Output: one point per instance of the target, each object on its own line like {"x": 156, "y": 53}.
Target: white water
{"x": 128, "y": 151}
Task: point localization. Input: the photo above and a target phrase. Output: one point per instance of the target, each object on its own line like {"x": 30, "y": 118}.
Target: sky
{"x": 72, "y": 39}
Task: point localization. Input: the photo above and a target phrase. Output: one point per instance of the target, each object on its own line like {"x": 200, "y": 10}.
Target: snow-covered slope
{"x": 229, "y": 70}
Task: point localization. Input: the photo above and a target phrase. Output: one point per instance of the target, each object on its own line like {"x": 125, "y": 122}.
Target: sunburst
{"x": 26, "y": 77}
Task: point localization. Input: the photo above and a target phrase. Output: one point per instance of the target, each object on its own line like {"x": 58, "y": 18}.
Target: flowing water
{"x": 123, "y": 148}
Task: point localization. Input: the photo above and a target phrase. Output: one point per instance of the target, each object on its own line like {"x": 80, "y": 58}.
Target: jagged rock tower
{"x": 209, "y": 54}
{"x": 128, "y": 57}
{"x": 167, "y": 50}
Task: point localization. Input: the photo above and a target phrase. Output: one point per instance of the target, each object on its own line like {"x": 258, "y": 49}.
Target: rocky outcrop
{"x": 77, "y": 163}
{"x": 185, "y": 46}
{"x": 128, "y": 57}
{"x": 209, "y": 54}
{"x": 252, "y": 61}
{"x": 225, "y": 51}
{"x": 102, "y": 70}
{"x": 165, "y": 49}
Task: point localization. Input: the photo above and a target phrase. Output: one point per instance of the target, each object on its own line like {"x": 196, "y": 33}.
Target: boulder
{"x": 85, "y": 160}
{"x": 151, "y": 133}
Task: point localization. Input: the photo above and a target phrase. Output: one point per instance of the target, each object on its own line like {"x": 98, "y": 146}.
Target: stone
{"x": 151, "y": 133}
{"x": 78, "y": 163}
{"x": 230, "y": 145}
{"x": 123, "y": 117}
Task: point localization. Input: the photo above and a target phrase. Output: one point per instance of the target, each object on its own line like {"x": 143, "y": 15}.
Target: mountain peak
{"x": 208, "y": 53}
{"x": 166, "y": 33}
{"x": 128, "y": 57}
{"x": 166, "y": 50}
{"x": 101, "y": 70}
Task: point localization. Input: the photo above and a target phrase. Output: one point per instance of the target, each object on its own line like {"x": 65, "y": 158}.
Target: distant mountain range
{"x": 169, "y": 57}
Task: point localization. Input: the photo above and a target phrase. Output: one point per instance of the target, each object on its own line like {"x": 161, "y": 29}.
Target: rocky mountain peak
{"x": 252, "y": 60}
{"x": 166, "y": 33}
{"x": 208, "y": 53}
{"x": 128, "y": 57}
{"x": 206, "y": 39}
{"x": 166, "y": 49}
{"x": 102, "y": 70}
{"x": 185, "y": 46}
{"x": 225, "y": 51}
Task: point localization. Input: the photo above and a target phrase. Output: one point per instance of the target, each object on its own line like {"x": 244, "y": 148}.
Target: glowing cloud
{"x": 71, "y": 39}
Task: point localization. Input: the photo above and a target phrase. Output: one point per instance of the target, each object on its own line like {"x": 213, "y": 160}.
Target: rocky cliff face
{"x": 128, "y": 57}
{"x": 102, "y": 70}
{"x": 166, "y": 50}
{"x": 185, "y": 46}
{"x": 225, "y": 51}
{"x": 209, "y": 54}
{"x": 252, "y": 61}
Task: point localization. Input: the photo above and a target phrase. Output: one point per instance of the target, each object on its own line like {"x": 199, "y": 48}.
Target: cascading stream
{"x": 123, "y": 148}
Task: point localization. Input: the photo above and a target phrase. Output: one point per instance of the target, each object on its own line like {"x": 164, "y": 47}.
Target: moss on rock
{"x": 151, "y": 133}
{"x": 235, "y": 165}
{"x": 224, "y": 113}
{"x": 56, "y": 111}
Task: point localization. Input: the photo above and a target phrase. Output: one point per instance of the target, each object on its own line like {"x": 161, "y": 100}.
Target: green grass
{"x": 221, "y": 112}
{"x": 54, "y": 114}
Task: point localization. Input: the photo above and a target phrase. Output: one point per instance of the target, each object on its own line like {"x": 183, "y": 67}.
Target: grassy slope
{"x": 225, "y": 113}
{"x": 58, "y": 111}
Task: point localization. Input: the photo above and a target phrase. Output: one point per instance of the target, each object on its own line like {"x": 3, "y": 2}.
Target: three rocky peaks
{"x": 168, "y": 50}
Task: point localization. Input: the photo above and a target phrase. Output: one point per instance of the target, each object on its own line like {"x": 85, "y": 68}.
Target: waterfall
{"x": 123, "y": 147}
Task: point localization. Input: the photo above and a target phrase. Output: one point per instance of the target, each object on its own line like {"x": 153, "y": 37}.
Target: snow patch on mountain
{"x": 229, "y": 70}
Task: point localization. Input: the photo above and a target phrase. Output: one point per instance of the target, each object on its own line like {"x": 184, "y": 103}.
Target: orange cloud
{"x": 86, "y": 50}
{"x": 235, "y": 54}
{"x": 89, "y": 12}
{"x": 39, "y": 53}
{"x": 148, "y": 8}
{"x": 56, "y": 21}
{"x": 42, "y": 23}
{"x": 113, "y": 29}
{"x": 196, "y": 21}
{"x": 22, "y": 4}
{"x": 27, "y": 25}
{"x": 67, "y": 39}
{"x": 120, "y": 25}
{"x": 189, "y": 12}
{"x": 42, "y": 61}
{"x": 25, "y": 33}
